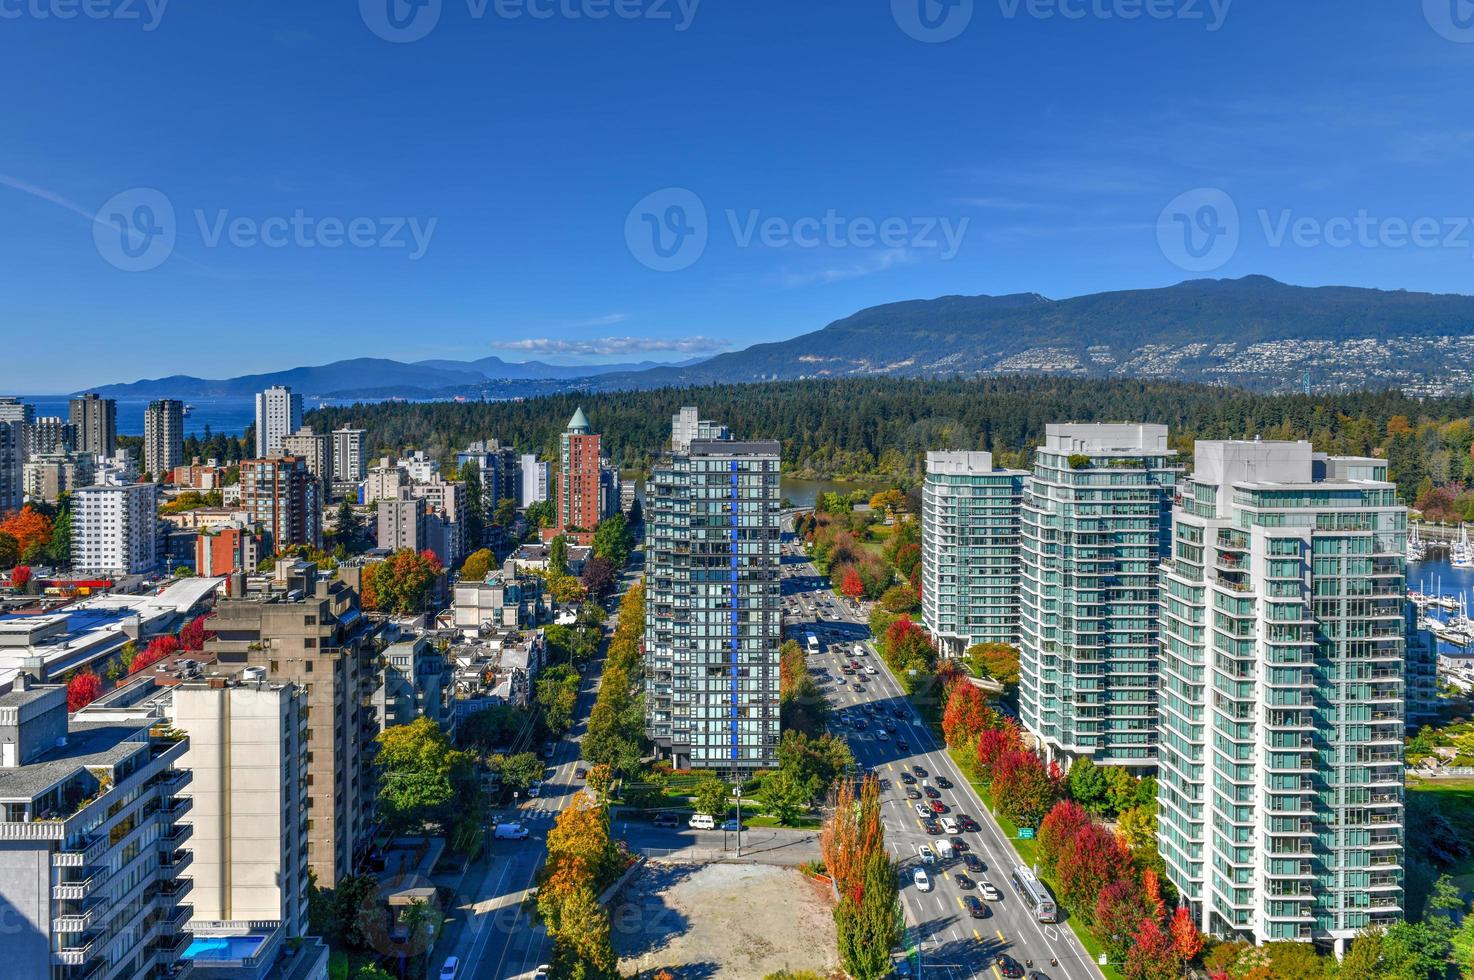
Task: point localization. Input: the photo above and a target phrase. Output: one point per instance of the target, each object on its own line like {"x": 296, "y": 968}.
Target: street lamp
{"x": 738, "y": 793}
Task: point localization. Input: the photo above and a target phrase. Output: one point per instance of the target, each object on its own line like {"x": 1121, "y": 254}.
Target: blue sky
{"x": 493, "y": 171}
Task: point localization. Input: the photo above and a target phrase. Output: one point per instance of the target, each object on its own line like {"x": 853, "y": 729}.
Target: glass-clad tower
{"x": 713, "y": 622}
{"x": 969, "y": 550}
{"x": 1283, "y": 638}
{"x": 1093, "y": 528}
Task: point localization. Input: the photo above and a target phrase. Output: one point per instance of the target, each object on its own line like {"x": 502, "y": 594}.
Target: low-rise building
{"x": 209, "y": 475}
{"x": 225, "y": 550}
{"x": 417, "y": 682}
{"x": 506, "y": 599}
{"x": 384, "y": 482}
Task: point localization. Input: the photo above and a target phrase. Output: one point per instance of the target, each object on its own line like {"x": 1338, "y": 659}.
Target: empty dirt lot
{"x": 723, "y": 920}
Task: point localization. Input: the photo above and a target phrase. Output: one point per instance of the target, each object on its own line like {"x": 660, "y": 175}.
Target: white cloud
{"x": 869, "y": 266}
{"x": 607, "y": 346}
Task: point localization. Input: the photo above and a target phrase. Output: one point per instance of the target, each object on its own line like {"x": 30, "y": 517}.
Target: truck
{"x": 945, "y": 850}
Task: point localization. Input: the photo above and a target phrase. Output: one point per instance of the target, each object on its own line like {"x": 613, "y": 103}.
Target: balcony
{"x": 76, "y": 951}
{"x": 75, "y": 891}
{"x": 171, "y": 863}
{"x": 76, "y": 922}
{"x": 176, "y": 921}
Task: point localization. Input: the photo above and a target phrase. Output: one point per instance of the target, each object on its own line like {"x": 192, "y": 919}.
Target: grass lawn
{"x": 803, "y": 823}
{"x": 1456, "y": 801}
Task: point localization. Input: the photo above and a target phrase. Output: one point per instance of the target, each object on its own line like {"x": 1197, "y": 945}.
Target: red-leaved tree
{"x": 20, "y": 576}
{"x": 1088, "y": 863}
{"x": 82, "y": 690}
{"x": 1057, "y": 829}
{"x": 1151, "y": 956}
{"x": 994, "y": 743}
{"x": 192, "y": 638}
{"x": 1022, "y": 788}
{"x": 158, "y": 648}
{"x": 851, "y": 584}
{"x": 1118, "y": 912}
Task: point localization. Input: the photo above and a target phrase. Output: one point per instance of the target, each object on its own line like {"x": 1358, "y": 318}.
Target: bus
{"x": 813, "y": 644}
{"x": 1033, "y": 892}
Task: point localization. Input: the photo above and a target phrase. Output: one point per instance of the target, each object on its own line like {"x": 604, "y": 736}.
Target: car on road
{"x": 548, "y": 748}
{"x": 972, "y": 862}
{"x": 903, "y": 745}
{"x": 860, "y": 650}
{"x": 870, "y": 669}
{"x": 937, "y": 806}
{"x": 510, "y": 831}
{"x": 580, "y": 773}
{"x": 450, "y": 968}
{"x": 963, "y": 881}
{"x": 701, "y": 821}
{"x": 922, "y": 811}
{"x": 951, "y": 826}
{"x": 919, "y": 876}
{"x": 859, "y": 688}
{"x": 1008, "y": 966}
{"x": 968, "y": 824}
{"x": 930, "y": 791}
{"x": 899, "y": 712}
{"x": 535, "y": 790}
{"x": 919, "y": 772}
{"x": 882, "y": 734}
{"x": 1038, "y": 975}
{"x": 990, "y": 891}
{"x": 667, "y": 820}
{"x": 542, "y": 972}
{"x": 932, "y": 827}
{"x": 860, "y": 723}
{"x": 912, "y": 793}
{"x": 975, "y": 908}
{"x": 908, "y": 779}
{"x": 944, "y": 783}
{"x": 957, "y": 842}
{"x": 731, "y": 825}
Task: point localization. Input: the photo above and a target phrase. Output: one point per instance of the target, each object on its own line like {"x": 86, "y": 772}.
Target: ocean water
{"x": 1437, "y": 577}
{"x": 227, "y": 415}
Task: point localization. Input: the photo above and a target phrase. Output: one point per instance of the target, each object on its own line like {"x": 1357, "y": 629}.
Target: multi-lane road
{"x": 948, "y": 942}
{"x": 495, "y": 936}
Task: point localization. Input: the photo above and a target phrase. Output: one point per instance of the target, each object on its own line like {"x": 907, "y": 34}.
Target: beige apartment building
{"x": 302, "y": 629}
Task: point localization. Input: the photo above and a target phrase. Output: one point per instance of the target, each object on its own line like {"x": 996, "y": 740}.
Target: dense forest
{"x": 884, "y": 427}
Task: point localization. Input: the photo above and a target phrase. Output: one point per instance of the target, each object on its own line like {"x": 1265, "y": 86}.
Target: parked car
{"x": 667, "y": 819}
{"x": 732, "y": 825}
{"x": 701, "y": 821}
{"x": 450, "y": 968}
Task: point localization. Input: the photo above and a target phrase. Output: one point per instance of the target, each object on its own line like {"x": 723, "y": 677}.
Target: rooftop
{"x": 89, "y": 745}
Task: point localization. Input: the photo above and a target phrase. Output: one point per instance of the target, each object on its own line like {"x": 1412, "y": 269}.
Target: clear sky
{"x": 219, "y": 187}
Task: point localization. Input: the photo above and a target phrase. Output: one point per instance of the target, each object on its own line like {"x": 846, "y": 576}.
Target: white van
{"x": 945, "y": 850}
{"x": 702, "y": 821}
{"x": 510, "y": 831}
{"x": 949, "y": 825}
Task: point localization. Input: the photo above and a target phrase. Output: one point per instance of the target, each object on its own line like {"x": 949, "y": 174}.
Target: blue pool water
{"x": 223, "y": 947}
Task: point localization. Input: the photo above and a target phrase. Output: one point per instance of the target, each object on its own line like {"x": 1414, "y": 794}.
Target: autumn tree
{"x": 158, "y": 649}
{"x": 84, "y": 688}
{"x": 851, "y": 584}
{"x": 967, "y": 715}
{"x": 477, "y": 564}
{"x": 20, "y": 576}
{"x": 1057, "y": 829}
{"x": 1118, "y": 913}
{"x": 994, "y": 743}
{"x": 1090, "y": 861}
{"x": 1151, "y": 956}
{"x": 1186, "y": 940}
{"x": 193, "y": 637}
{"x": 31, "y": 530}
{"x": 402, "y": 583}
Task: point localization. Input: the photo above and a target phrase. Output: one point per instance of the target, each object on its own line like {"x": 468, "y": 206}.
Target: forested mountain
{"x": 1253, "y": 332}
{"x": 886, "y": 426}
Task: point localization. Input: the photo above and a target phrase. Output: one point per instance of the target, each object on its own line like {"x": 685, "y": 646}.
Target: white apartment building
{"x": 421, "y": 468}
{"x": 115, "y": 529}
{"x": 687, "y": 425}
{"x": 278, "y": 415}
{"x": 163, "y": 437}
{"x": 248, "y": 762}
{"x": 970, "y": 550}
{"x": 384, "y": 481}
{"x": 534, "y": 480}
{"x": 349, "y": 462}
{"x": 314, "y": 450}
{"x": 1280, "y": 779}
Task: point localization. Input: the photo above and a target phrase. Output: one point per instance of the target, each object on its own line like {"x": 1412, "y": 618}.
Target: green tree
{"x": 9, "y": 550}
{"x": 784, "y": 796}
{"x": 872, "y": 926}
{"x": 505, "y": 514}
{"x": 348, "y": 529}
{"x": 475, "y": 516}
{"x": 1121, "y": 788}
{"x": 539, "y": 513}
{"x": 356, "y": 910}
{"x": 711, "y": 796}
{"x": 519, "y": 771}
{"x": 421, "y": 774}
{"x": 614, "y": 541}
{"x": 1087, "y": 784}
{"x": 558, "y": 556}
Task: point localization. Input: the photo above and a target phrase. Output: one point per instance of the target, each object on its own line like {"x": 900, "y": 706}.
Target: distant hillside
{"x": 1253, "y": 332}
{"x": 371, "y": 377}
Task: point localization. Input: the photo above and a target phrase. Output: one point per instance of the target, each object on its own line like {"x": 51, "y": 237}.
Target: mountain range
{"x": 1252, "y": 332}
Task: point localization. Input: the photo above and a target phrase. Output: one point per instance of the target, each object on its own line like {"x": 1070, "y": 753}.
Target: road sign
{"x": 1026, "y": 833}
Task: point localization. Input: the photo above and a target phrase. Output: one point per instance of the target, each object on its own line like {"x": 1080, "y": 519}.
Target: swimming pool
{"x": 223, "y": 947}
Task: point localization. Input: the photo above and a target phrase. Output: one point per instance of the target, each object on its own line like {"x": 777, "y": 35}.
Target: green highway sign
{"x": 1026, "y": 833}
